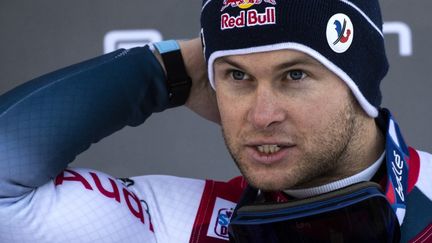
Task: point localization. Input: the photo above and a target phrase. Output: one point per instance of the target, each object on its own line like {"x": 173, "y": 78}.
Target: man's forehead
{"x": 278, "y": 58}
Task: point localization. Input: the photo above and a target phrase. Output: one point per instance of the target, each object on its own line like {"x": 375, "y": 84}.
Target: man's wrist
{"x": 177, "y": 79}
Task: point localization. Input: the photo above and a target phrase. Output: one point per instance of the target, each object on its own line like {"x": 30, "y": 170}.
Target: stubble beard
{"x": 323, "y": 161}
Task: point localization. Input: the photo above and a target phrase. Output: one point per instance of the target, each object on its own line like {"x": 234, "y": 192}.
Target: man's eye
{"x": 296, "y": 75}
{"x": 238, "y": 75}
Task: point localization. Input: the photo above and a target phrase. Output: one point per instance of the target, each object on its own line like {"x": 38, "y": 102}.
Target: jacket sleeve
{"x": 46, "y": 122}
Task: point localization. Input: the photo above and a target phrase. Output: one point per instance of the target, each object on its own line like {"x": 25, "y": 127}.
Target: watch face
{"x": 167, "y": 46}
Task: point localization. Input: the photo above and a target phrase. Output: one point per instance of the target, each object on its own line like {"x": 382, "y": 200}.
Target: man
{"x": 297, "y": 92}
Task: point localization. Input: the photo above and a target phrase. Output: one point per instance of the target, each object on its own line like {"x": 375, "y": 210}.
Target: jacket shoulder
{"x": 424, "y": 181}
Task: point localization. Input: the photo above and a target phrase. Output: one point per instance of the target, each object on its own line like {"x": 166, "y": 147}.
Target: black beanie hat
{"x": 344, "y": 35}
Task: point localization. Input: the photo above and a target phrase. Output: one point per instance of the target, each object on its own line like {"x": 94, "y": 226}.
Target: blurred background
{"x": 37, "y": 37}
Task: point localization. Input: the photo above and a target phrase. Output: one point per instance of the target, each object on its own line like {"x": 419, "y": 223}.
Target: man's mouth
{"x": 268, "y": 152}
{"x": 268, "y": 148}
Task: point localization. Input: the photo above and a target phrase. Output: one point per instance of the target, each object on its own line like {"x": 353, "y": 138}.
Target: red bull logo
{"x": 244, "y": 4}
{"x": 248, "y": 19}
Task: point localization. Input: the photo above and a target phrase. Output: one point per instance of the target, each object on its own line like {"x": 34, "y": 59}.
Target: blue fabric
{"x": 47, "y": 122}
{"x": 418, "y": 215}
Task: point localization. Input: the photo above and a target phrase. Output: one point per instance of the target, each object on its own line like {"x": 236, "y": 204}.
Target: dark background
{"x": 37, "y": 37}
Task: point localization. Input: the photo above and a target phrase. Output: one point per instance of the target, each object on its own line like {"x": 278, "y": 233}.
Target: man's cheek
{"x": 229, "y": 119}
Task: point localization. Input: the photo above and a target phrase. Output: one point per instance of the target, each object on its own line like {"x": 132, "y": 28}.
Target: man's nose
{"x": 266, "y": 110}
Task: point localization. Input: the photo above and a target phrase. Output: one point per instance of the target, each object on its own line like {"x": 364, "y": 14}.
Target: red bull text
{"x": 249, "y": 18}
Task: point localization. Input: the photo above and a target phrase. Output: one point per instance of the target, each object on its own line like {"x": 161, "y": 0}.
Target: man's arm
{"x": 47, "y": 122}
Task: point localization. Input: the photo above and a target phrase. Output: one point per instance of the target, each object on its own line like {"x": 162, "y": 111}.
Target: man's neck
{"x": 369, "y": 147}
{"x": 365, "y": 175}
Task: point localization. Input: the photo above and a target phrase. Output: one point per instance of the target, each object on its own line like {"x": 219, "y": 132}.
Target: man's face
{"x": 287, "y": 120}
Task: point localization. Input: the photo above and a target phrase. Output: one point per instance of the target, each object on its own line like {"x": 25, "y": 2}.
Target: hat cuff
{"x": 371, "y": 110}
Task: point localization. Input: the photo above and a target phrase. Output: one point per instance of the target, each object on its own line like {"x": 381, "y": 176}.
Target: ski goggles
{"x": 357, "y": 213}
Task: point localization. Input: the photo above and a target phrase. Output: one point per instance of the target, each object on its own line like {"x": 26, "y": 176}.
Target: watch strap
{"x": 178, "y": 81}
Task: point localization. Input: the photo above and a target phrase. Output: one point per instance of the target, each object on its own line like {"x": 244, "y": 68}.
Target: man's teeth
{"x": 268, "y": 149}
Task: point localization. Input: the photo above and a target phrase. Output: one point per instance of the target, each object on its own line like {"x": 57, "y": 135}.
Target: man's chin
{"x": 270, "y": 183}
{"x": 271, "y": 178}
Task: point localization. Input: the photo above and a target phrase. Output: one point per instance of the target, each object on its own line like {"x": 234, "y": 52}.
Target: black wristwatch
{"x": 178, "y": 81}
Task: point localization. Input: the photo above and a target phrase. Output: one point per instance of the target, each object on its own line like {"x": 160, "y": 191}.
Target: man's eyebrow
{"x": 230, "y": 62}
{"x": 296, "y": 61}
{"x": 287, "y": 64}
